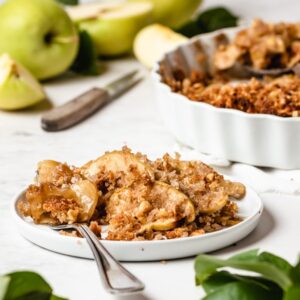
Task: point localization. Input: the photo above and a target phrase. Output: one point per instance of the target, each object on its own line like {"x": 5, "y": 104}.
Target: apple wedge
{"x": 153, "y": 41}
{"x": 112, "y": 26}
{"x": 18, "y": 88}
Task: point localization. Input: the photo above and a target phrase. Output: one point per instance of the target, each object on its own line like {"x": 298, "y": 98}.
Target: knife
{"x": 84, "y": 105}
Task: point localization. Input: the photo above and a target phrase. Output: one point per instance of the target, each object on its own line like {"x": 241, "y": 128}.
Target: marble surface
{"x": 132, "y": 120}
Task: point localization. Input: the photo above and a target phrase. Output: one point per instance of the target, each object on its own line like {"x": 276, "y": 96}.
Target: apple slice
{"x": 18, "y": 88}
{"x": 112, "y": 26}
{"x": 153, "y": 41}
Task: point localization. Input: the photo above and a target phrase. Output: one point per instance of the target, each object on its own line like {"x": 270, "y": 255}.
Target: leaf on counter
{"x": 242, "y": 290}
{"x": 210, "y": 20}
{"x": 293, "y": 293}
{"x": 219, "y": 279}
{"x": 206, "y": 265}
{"x": 68, "y": 2}
{"x": 86, "y": 62}
{"x": 25, "y": 285}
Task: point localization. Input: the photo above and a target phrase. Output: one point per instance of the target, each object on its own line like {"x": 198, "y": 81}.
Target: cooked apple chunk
{"x": 158, "y": 207}
{"x": 51, "y": 171}
{"x": 50, "y": 204}
{"x": 118, "y": 169}
{"x": 207, "y": 189}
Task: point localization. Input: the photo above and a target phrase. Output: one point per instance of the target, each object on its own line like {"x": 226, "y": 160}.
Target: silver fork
{"x": 116, "y": 279}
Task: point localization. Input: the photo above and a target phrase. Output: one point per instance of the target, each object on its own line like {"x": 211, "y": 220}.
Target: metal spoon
{"x": 116, "y": 279}
{"x": 273, "y": 72}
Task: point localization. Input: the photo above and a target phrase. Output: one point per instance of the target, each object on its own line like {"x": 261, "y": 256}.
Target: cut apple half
{"x": 112, "y": 26}
{"x": 18, "y": 87}
{"x": 153, "y": 41}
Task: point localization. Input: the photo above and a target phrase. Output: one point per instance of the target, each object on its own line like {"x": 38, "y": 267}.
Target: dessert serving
{"x": 262, "y": 46}
{"x": 138, "y": 199}
{"x": 235, "y": 93}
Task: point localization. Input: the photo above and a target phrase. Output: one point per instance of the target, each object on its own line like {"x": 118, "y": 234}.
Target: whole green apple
{"x": 173, "y": 13}
{"x": 18, "y": 88}
{"x": 39, "y": 34}
{"x": 112, "y": 26}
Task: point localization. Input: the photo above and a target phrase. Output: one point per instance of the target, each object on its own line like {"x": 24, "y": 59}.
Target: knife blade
{"x": 86, "y": 104}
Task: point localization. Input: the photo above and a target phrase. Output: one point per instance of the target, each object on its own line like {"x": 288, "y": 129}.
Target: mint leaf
{"x": 216, "y": 18}
{"x": 219, "y": 279}
{"x": 293, "y": 293}
{"x": 206, "y": 265}
{"x": 24, "y": 285}
{"x": 240, "y": 290}
{"x": 68, "y": 2}
{"x": 86, "y": 62}
{"x": 53, "y": 297}
{"x": 210, "y": 20}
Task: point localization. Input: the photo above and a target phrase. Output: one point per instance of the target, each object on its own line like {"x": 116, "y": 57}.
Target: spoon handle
{"x": 116, "y": 279}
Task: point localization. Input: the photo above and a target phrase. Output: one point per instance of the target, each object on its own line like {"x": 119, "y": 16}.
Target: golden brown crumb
{"x": 143, "y": 200}
{"x": 263, "y": 46}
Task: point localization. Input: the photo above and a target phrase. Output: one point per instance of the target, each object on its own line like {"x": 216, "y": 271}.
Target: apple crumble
{"x": 133, "y": 197}
{"x": 262, "y": 46}
{"x": 225, "y": 84}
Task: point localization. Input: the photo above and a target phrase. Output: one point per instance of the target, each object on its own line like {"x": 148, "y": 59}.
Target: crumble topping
{"x": 262, "y": 46}
{"x": 137, "y": 199}
{"x": 225, "y": 84}
{"x": 277, "y": 96}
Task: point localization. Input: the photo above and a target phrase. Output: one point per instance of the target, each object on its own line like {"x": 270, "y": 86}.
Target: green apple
{"x": 39, "y": 34}
{"x": 112, "y": 26}
{"x": 18, "y": 88}
{"x": 155, "y": 40}
{"x": 173, "y": 13}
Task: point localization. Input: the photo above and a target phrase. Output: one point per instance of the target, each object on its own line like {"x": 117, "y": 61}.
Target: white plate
{"x": 250, "y": 209}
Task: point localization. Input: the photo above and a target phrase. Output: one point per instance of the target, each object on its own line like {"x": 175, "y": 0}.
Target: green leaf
{"x": 209, "y": 20}
{"x": 53, "y": 297}
{"x": 219, "y": 279}
{"x": 68, "y": 2}
{"x": 293, "y": 293}
{"x": 4, "y": 282}
{"x": 240, "y": 290}
{"x": 295, "y": 273}
{"x": 27, "y": 285}
{"x": 86, "y": 62}
{"x": 206, "y": 265}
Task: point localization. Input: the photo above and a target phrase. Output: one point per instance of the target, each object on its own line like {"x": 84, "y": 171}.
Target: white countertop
{"x": 133, "y": 120}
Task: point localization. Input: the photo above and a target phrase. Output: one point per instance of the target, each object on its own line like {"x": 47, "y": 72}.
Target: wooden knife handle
{"x": 74, "y": 111}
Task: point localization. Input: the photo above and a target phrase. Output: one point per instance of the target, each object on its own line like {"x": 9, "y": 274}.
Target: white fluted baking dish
{"x": 256, "y": 139}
